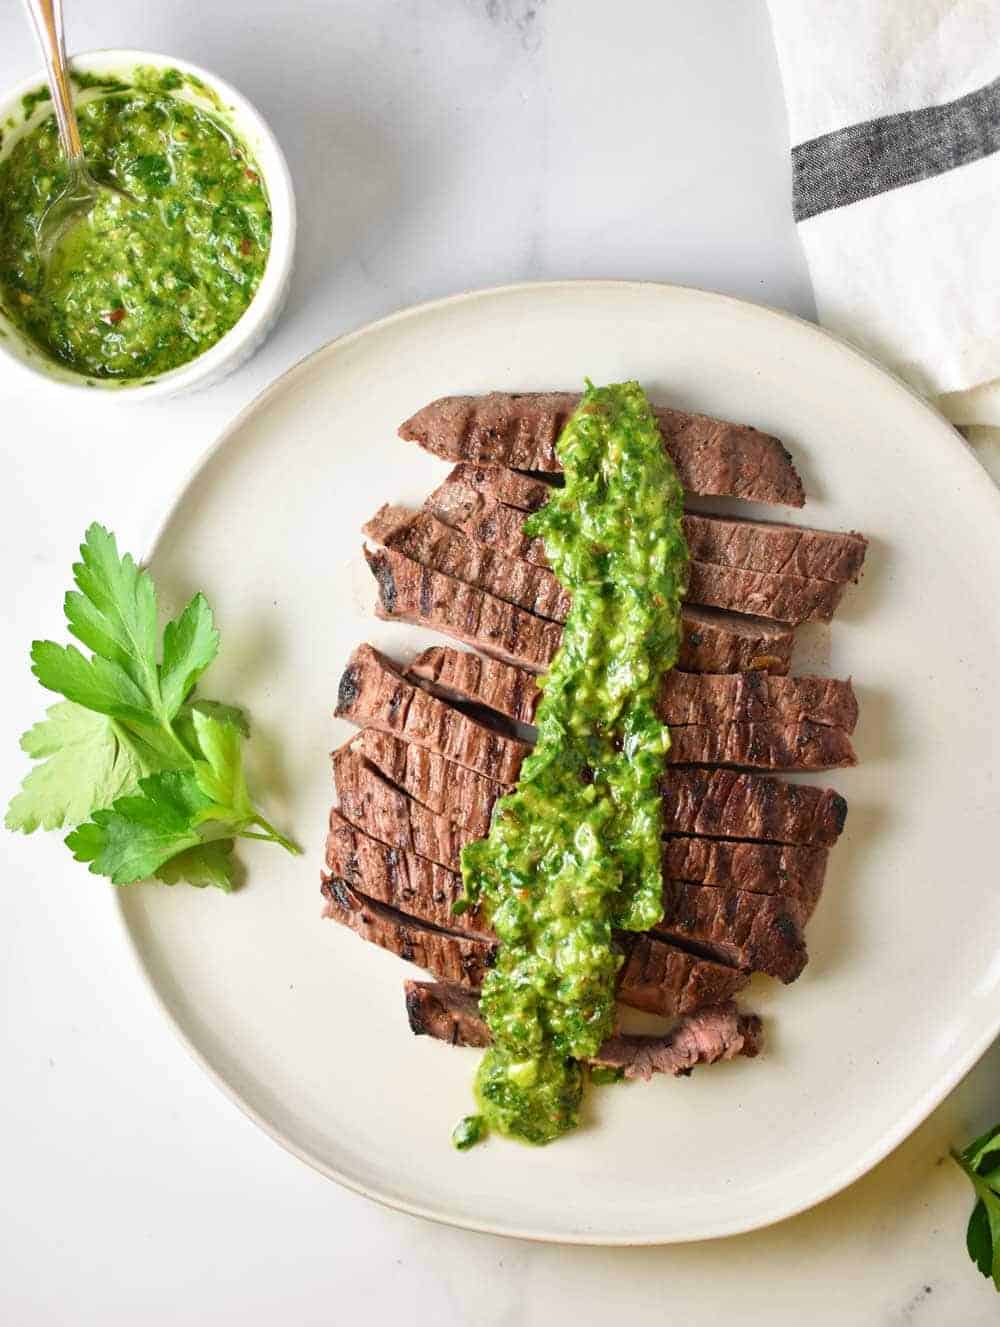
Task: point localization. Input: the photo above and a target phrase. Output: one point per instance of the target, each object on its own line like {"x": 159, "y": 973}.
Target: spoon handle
{"x": 47, "y": 17}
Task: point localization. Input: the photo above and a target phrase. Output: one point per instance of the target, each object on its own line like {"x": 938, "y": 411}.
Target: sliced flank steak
{"x": 372, "y": 692}
{"x": 713, "y": 641}
{"x": 685, "y": 698}
{"x": 411, "y": 884}
{"x": 470, "y": 500}
{"x": 409, "y": 592}
{"x": 713, "y": 457}
{"x": 424, "y": 538}
{"x": 449, "y": 790}
{"x": 656, "y": 976}
{"x": 770, "y": 746}
{"x": 452, "y": 1015}
{"x": 758, "y": 932}
{"x": 384, "y": 812}
{"x": 714, "y": 803}
{"x": 727, "y": 804}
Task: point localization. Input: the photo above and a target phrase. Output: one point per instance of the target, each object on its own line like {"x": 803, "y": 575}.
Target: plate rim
{"x": 904, "y": 1126}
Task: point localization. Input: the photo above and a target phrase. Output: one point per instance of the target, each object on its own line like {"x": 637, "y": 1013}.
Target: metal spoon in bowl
{"x": 82, "y": 191}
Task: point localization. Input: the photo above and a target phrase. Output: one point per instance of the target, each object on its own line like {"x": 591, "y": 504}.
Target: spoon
{"x": 81, "y": 192}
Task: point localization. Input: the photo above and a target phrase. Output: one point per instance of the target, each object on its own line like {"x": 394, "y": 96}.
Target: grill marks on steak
{"x": 408, "y": 592}
{"x": 770, "y": 746}
{"x": 373, "y": 693}
{"x": 450, "y": 790}
{"x": 424, "y": 538}
{"x": 713, "y": 457}
{"x": 714, "y": 803}
{"x": 490, "y": 503}
{"x": 464, "y": 960}
{"x": 384, "y": 812}
{"x": 726, "y": 804}
{"x": 663, "y": 980}
{"x": 685, "y": 698}
{"x": 758, "y": 932}
{"x": 403, "y": 880}
{"x": 452, "y": 1015}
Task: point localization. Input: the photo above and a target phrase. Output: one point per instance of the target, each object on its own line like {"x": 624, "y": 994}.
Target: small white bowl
{"x": 256, "y": 323}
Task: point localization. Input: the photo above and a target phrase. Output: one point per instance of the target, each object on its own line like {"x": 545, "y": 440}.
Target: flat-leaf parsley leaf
{"x": 151, "y": 777}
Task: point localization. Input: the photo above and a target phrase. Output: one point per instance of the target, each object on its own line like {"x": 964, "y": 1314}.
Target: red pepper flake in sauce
{"x": 113, "y": 316}
{"x": 245, "y": 247}
{"x": 252, "y": 176}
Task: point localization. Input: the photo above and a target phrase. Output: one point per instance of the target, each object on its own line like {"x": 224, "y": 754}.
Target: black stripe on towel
{"x": 868, "y": 159}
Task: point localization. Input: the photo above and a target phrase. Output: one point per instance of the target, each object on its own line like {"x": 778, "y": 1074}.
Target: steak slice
{"x": 758, "y": 932}
{"x": 793, "y": 871}
{"x": 409, "y": 592}
{"x": 472, "y": 500}
{"x": 373, "y": 692}
{"x": 386, "y": 813}
{"x": 713, "y": 642}
{"x": 451, "y": 1014}
{"x": 662, "y": 979}
{"x": 775, "y": 746}
{"x": 424, "y": 538}
{"x": 666, "y": 980}
{"x": 725, "y": 804}
{"x": 712, "y": 456}
{"x": 685, "y": 698}
{"x": 464, "y": 960}
{"x": 413, "y": 885}
{"x": 450, "y": 790}
{"x": 464, "y": 676}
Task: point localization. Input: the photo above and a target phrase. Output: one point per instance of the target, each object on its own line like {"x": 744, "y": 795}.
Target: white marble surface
{"x": 436, "y": 145}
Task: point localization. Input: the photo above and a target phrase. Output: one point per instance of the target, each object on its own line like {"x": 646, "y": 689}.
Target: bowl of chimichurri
{"x": 177, "y": 276}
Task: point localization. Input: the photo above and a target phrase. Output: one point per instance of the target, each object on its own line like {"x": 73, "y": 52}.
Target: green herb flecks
{"x": 574, "y": 851}
{"x": 151, "y": 777}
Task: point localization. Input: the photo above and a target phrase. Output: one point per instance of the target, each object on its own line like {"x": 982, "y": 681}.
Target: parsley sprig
{"x": 152, "y": 778}
{"x": 981, "y": 1163}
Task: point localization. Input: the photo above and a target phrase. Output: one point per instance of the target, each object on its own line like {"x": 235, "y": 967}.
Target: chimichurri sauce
{"x": 574, "y": 852}
{"x": 149, "y": 281}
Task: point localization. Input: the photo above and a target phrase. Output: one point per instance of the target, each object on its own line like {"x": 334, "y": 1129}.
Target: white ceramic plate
{"x": 303, "y": 1024}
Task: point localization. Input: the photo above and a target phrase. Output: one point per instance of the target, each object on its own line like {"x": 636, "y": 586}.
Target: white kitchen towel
{"x": 894, "y": 117}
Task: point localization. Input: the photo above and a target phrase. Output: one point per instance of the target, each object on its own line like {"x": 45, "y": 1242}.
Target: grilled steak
{"x": 440, "y": 547}
{"x": 409, "y": 592}
{"x": 713, "y": 642}
{"x": 425, "y": 539}
{"x": 656, "y": 976}
{"x": 716, "y": 803}
{"x": 777, "y": 746}
{"x": 413, "y": 885}
{"x": 684, "y": 697}
{"x": 661, "y": 979}
{"x": 787, "y": 870}
{"x": 384, "y": 812}
{"x": 713, "y": 457}
{"x": 470, "y": 500}
{"x": 451, "y": 1014}
{"x": 464, "y": 676}
{"x": 758, "y": 932}
{"x": 446, "y": 789}
{"x": 373, "y": 692}
{"x": 464, "y": 960}
{"x": 722, "y": 803}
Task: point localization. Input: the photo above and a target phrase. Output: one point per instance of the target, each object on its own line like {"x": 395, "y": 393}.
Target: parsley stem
{"x": 271, "y": 835}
